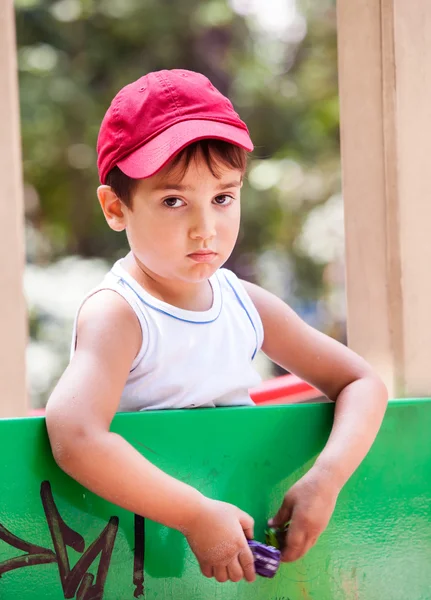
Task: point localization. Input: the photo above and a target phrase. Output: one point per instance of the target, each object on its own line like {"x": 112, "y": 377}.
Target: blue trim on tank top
{"x": 247, "y": 313}
{"x": 170, "y": 314}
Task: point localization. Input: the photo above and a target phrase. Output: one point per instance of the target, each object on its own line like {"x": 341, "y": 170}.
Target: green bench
{"x": 58, "y": 541}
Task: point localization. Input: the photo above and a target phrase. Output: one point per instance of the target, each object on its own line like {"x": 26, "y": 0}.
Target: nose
{"x": 203, "y": 226}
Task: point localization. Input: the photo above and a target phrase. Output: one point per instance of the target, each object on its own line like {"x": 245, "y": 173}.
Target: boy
{"x": 168, "y": 328}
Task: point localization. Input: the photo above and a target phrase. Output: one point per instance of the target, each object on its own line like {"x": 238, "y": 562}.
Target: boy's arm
{"x": 81, "y": 408}
{"x": 78, "y": 418}
{"x": 360, "y": 398}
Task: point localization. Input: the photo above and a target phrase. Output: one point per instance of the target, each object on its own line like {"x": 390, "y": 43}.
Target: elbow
{"x": 366, "y": 384}
{"x": 381, "y": 391}
{"x": 376, "y": 383}
{"x": 373, "y": 387}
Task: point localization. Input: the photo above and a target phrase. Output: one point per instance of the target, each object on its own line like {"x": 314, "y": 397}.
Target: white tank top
{"x": 189, "y": 358}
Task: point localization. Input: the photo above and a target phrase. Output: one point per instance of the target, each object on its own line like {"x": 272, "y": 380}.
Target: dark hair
{"x": 214, "y": 152}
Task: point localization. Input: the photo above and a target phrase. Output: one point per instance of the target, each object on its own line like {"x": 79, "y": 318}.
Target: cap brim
{"x": 154, "y": 155}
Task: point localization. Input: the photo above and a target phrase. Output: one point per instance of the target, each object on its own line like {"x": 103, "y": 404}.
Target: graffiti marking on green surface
{"x": 76, "y": 582}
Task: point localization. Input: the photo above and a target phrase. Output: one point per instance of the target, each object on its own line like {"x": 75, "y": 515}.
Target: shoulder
{"x": 227, "y": 278}
{"x": 266, "y": 302}
{"x": 106, "y": 306}
{"x": 105, "y": 322}
{"x": 262, "y": 300}
{"x": 242, "y": 289}
{"x": 277, "y": 317}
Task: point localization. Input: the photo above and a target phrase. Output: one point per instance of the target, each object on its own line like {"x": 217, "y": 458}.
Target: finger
{"x": 207, "y": 570}
{"x": 246, "y": 561}
{"x": 310, "y": 543}
{"x": 247, "y": 523}
{"x": 290, "y": 555}
{"x": 234, "y": 570}
{"x": 282, "y": 516}
{"x": 220, "y": 573}
{"x": 296, "y": 542}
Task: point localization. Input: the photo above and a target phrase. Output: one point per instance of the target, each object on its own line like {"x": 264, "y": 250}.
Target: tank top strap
{"x": 229, "y": 279}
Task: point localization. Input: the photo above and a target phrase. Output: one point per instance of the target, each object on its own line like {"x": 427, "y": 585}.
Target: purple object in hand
{"x": 266, "y": 558}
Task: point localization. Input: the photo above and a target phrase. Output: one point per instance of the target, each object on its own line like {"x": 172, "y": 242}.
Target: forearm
{"x": 359, "y": 411}
{"x": 109, "y": 466}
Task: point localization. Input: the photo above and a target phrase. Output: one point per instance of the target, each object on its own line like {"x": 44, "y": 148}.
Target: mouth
{"x": 202, "y": 256}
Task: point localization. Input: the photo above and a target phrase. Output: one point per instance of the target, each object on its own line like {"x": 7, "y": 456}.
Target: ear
{"x": 113, "y": 209}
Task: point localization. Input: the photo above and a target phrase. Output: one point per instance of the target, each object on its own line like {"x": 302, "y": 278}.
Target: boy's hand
{"x": 308, "y": 505}
{"x": 217, "y": 535}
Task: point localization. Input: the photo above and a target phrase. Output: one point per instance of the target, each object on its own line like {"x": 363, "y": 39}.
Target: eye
{"x": 223, "y": 200}
{"x": 173, "y": 202}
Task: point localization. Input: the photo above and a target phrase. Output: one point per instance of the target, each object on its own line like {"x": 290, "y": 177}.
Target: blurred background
{"x": 275, "y": 59}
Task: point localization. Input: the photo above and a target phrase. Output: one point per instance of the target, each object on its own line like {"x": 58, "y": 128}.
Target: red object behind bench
{"x": 287, "y": 389}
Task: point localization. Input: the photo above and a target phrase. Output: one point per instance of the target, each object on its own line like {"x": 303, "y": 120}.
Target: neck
{"x": 189, "y": 296}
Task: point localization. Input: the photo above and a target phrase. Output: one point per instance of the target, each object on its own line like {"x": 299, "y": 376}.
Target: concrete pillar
{"x": 13, "y": 327}
{"x": 385, "y": 103}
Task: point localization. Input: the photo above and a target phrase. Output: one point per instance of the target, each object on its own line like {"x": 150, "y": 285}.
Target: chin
{"x": 201, "y": 272}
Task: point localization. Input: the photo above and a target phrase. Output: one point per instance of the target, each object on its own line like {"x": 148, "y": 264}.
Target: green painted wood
{"x": 377, "y": 547}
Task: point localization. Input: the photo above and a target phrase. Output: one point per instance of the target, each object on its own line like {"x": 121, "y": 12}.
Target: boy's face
{"x": 184, "y": 226}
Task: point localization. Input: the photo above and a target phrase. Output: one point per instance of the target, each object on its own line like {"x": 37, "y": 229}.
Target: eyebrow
{"x": 187, "y": 188}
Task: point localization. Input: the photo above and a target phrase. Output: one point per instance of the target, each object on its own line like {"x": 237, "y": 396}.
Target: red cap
{"x": 153, "y": 118}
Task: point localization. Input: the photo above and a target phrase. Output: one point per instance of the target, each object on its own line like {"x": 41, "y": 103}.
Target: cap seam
{"x": 119, "y": 133}
{"x": 170, "y": 91}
